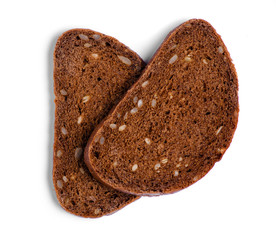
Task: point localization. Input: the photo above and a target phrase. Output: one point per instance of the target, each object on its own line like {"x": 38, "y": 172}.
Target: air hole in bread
{"x": 96, "y": 154}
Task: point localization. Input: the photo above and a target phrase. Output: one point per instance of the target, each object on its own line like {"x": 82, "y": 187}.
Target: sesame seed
{"x": 96, "y": 36}
{"x": 148, "y": 141}
{"x": 134, "y": 110}
{"x": 82, "y": 170}
{"x": 186, "y": 165}
{"x": 153, "y": 103}
{"x": 173, "y": 59}
{"x": 157, "y": 165}
{"x": 134, "y": 167}
{"x": 87, "y": 45}
{"x": 64, "y": 131}
{"x": 205, "y": 61}
{"x": 135, "y": 99}
{"x": 122, "y": 128}
{"x": 176, "y": 172}
{"x": 97, "y": 210}
{"x": 195, "y": 178}
{"x": 112, "y": 126}
{"x": 125, "y": 60}
{"x": 85, "y": 99}
{"x": 80, "y": 118}
{"x": 83, "y": 37}
{"x": 180, "y": 159}
{"x": 95, "y": 55}
{"x": 63, "y": 92}
{"x": 115, "y": 164}
{"x": 220, "y": 49}
{"x": 219, "y": 129}
{"x": 102, "y": 140}
{"x": 187, "y": 59}
{"x": 65, "y": 179}
{"x": 125, "y": 117}
{"x": 59, "y": 153}
{"x": 59, "y": 184}
{"x": 144, "y": 84}
{"x": 178, "y": 165}
{"x": 140, "y": 103}
{"x": 165, "y": 160}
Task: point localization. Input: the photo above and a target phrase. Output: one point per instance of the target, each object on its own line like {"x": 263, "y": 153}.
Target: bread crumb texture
{"x": 92, "y": 71}
{"x": 183, "y": 114}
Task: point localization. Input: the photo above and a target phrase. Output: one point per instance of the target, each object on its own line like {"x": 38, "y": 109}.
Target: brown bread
{"x": 176, "y": 121}
{"x": 92, "y": 71}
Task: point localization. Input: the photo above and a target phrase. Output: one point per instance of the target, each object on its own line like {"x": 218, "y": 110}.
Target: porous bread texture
{"x": 176, "y": 121}
{"x": 92, "y": 71}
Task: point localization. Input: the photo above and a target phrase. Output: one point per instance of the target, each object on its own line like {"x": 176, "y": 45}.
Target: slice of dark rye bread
{"x": 92, "y": 71}
{"x": 176, "y": 121}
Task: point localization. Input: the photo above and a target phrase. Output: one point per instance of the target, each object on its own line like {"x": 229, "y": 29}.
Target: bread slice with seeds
{"x": 176, "y": 121}
{"x": 92, "y": 71}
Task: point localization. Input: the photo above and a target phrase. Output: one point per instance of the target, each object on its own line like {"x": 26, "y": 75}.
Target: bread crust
{"x": 131, "y": 182}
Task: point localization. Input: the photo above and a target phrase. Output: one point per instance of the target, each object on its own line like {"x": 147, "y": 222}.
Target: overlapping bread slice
{"x": 176, "y": 121}
{"x": 92, "y": 71}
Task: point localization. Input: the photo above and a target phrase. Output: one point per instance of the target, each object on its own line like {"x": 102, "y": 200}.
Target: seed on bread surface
{"x": 125, "y": 60}
{"x": 80, "y": 118}
{"x": 102, "y": 140}
{"x": 140, "y": 103}
{"x": 97, "y": 211}
{"x": 85, "y": 99}
{"x": 87, "y": 45}
{"x": 173, "y": 59}
{"x": 59, "y": 153}
{"x": 219, "y": 129}
{"x": 112, "y": 125}
{"x": 134, "y": 167}
{"x": 122, "y": 128}
{"x": 148, "y": 141}
{"x": 59, "y": 184}
{"x": 96, "y": 36}
{"x": 134, "y": 110}
{"x": 135, "y": 99}
{"x": 144, "y": 84}
{"x": 64, "y": 131}
{"x": 165, "y": 160}
{"x": 220, "y": 49}
{"x": 63, "y": 92}
{"x": 157, "y": 166}
{"x": 65, "y": 179}
{"x": 95, "y": 55}
{"x": 83, "y": 37}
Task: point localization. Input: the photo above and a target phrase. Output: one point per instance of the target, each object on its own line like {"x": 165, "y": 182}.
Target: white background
{"x": 236, "y": 200}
